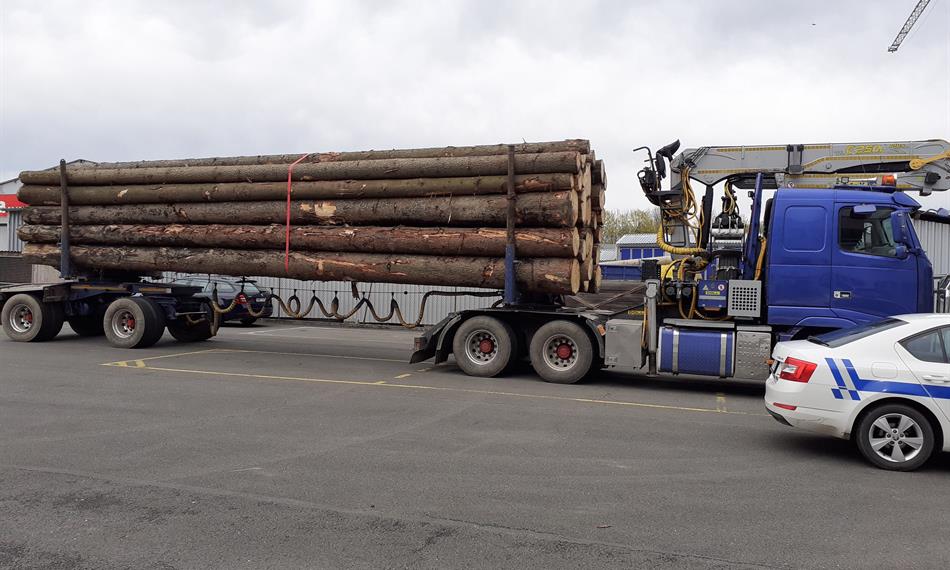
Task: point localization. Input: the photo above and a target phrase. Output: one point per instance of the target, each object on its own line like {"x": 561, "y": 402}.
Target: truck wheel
{"x": 483, "y": 346}
{"x": 561, "y": 352}
{"x": 895, "y": 437}
{"x": 87, "y": 325}
{"x": 133, "y": 322}
{"x": 27, "y": 319}
{"x": 183, "y": 331}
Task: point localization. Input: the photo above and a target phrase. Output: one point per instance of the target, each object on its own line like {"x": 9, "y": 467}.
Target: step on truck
{"x": 827, "y": 243}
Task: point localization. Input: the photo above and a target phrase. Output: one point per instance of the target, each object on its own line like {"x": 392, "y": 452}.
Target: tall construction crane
{"x": 909, "y": 24}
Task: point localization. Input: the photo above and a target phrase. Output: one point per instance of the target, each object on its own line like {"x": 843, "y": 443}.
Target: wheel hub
{"x": 21, "y": 318}
{"x": 896, "y": 437}
{"x": 560, "y": 352}
{"x": 123, "y": 324}
{"x": 564, "y": 351}
{"x": 482, "y": 346}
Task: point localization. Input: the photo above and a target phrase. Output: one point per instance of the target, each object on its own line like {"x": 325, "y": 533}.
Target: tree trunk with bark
{"x": 575, "y": 145}
{"x": 441, "y": 167}
{"x": 550, "y": 275}
{"x": 476, "y": 242}
{"x": 320, "y": 190}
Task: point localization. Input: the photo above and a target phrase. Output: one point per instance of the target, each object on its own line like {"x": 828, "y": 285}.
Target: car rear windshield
{"x": 841, "y": 337}
{"x": 250, "y": 288}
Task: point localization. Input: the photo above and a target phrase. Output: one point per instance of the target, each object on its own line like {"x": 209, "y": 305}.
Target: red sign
{"x": 9, "y": 201}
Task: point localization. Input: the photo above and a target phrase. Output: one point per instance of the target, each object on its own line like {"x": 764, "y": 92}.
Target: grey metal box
{"x": 753, "y": 348}
{"x": 623, "y": 343}
{"x": 745, "y": 298}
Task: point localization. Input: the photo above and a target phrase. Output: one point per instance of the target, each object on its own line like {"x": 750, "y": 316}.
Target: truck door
{"x": 871, "y": 276}
{"x": 799, "y": 245}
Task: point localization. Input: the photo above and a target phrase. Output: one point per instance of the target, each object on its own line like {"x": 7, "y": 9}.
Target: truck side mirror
{"x": 899, "y": 229}
{"x": 900, "y": 251}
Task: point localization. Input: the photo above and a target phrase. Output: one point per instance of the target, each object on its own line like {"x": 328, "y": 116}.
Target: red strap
{"x": 290, "y": 182}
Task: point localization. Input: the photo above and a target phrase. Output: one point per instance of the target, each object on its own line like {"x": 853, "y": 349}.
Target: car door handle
{"x": 937, "y": 379}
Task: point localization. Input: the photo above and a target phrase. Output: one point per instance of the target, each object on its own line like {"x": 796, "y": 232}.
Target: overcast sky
{"x": 126, "y": 80}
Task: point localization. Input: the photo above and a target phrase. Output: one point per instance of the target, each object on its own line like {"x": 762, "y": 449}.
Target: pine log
{"x": 476, "y": 242}
{"x": 598, "y": 197}
{"x": 599, "y": 173}
{"x": 596, "y": 282}
{"x": 320, "y": 190}
{"x": 588, "y": 242}
{"x": 441, "y": 167}
{"x": 542, "y": 209}
{"x": 587, "y": 269}
{"x": 576, "y": 145}
{"x": 549, "y": 275}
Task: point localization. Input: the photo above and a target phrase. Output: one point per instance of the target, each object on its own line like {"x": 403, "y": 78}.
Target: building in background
{"x": 638, "y": 246}
{"x": 933, "y": 229}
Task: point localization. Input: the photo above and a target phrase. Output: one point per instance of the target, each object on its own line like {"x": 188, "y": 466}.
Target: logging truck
{"x": 827, "y": 243}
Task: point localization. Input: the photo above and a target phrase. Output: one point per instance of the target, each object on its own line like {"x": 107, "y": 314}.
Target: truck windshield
{"x": 841, "y": 337}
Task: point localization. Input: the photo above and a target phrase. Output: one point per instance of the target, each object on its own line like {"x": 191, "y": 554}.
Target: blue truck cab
{"x": 841, "y": 257}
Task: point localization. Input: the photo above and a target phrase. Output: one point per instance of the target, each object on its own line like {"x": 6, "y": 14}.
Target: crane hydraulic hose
{"x": 690, "y": 216}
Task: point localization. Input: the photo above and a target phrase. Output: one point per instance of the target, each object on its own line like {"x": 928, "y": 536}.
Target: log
{"x": 545, "y": 209}
{"x": 549, "y": 275}
{"x": 587, "y": 269}
{"x": 441, "y": 167}
{"x": 576, "y": 145}
{"x": 476, "y": 242}
{"x": 598, "y": 197}
{"x": 599, "y": 173}
{"x": 595, "y": 284}
{"x": 320, "y": 190}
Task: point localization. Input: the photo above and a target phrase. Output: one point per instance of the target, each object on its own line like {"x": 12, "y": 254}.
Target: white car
{"x": 884, "y": 385}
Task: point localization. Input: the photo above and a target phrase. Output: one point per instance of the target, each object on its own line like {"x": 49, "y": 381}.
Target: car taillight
{"x": 788, "y": 407}
{"x": 241, "y": 299}
{"x": 796, "y": 370}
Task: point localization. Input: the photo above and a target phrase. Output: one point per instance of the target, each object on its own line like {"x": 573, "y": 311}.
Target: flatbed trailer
{"x": 130, "y": 314}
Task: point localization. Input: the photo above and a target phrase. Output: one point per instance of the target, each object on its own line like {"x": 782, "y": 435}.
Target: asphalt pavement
{"x": 285, "y": 446}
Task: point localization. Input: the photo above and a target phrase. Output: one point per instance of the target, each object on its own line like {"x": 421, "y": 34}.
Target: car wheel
{"x": 133, "y": 322}
{"x": 183, "y": 331}
{"x": 562, "y": 352}
{"x": 896, "y": 437}
{"x": 248, "y": 321}
{"x": 483, "y": 346}
{"x": 27, "y": 319}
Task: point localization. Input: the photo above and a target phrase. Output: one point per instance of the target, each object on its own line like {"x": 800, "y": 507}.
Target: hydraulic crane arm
{"x": 687, "y": 224}
{"x": 919, "y": 166}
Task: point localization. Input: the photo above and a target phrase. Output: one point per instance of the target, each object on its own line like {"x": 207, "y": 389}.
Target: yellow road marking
{"x": 139, "y": 363}
{"x": 383, "y": 384}
{"x": 126, "y": 362}
{"x": 721, "y": 402}
{"x": 402, "y": 376}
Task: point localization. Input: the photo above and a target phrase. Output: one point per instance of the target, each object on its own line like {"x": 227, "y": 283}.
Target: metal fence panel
{"x": 409, "y": 298}
{"x": 9, "y": 241}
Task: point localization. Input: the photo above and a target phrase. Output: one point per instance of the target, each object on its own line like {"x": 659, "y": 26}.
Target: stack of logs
{"x": 433, "y": 216}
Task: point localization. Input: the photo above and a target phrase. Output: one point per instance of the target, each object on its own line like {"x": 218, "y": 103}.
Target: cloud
{"x": 134, "y": 80}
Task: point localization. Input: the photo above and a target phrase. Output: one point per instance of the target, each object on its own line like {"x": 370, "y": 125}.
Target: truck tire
{"x": 895, "y": 437}
{"x": 183, "y": 331}
{"x": 483, "y": 346}
{"x": 562, "y": 352}
{"x": 27, "y": 319}
{"x": 133, "y": 322}
{"x": 88, "y": 325}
